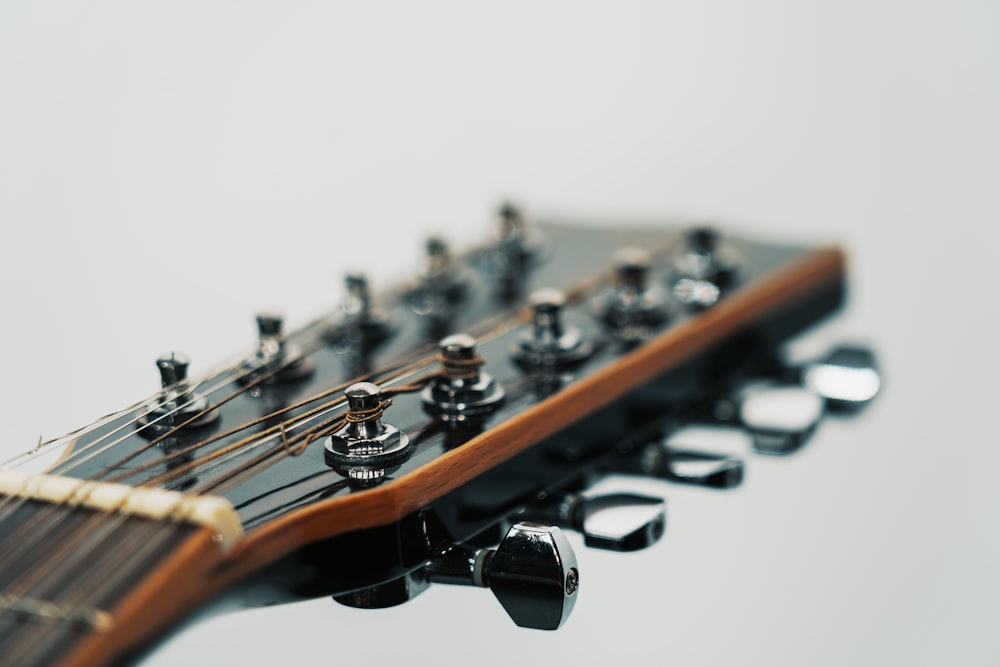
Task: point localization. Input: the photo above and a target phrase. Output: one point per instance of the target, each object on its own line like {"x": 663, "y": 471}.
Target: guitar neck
{"x": 82, "y": 586}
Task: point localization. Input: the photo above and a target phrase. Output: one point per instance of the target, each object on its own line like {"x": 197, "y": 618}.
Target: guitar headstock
{"x": 394, "y": 441}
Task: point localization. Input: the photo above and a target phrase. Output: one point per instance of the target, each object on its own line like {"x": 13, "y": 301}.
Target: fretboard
{"x": 73, "y": 578}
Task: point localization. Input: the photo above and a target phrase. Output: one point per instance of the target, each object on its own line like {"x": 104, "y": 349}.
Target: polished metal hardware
{"x": 275, "y": 360}
{"x": 616, "y": 521}
{"x": 463, "y": 392}
{"x": 551, "y": 343}
{"x": 532, "y": 572}
{"x": 177, "y": 405}
{"x": 636, "y": 308}
{"x": 705, "y": 269}
{"x": 366, "y": 448}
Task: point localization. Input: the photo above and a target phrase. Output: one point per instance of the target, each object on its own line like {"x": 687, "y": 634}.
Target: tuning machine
{"x": 637, "y": 307}
{"x": 551, "y": 345}
{"x": 705, "y": 269}
{"x": 364, "y": 325}
{"x": 508, "y": 261}
{"x": 442, "y": 286}
{"x": 463, "y": 393}
{"x": 178, "y": 405}
{"x": 532, "y": 572}
{"x": 782, "y": 407}
{"x": 366, "y": 449}
{"x": 614, "y": 521}
{"x": 275, "y": 360}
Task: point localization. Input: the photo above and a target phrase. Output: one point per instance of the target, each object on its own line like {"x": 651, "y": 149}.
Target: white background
{"x": 167, "y": 169}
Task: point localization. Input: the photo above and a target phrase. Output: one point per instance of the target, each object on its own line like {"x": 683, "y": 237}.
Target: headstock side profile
{"x": 437, "y": 432}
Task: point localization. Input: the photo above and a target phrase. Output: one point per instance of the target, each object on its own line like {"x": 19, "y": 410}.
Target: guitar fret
{"x": 94, "y": 619}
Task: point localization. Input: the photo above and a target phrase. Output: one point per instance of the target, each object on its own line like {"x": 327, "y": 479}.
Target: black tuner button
{"x": 366, "y": 449}
{"x": 636, "y": 308}
{"x": 177, "y": 406}
{"x": 507, "y": 263}
{"x": 442, "y": 285}
{"x": 275, "y": 360}
{"x": 616, "y": 522}
{"x": 532, "y": 572}
{"x": 705, "y": 269}
{"x": 848, "y": 377}
{"x": 551, "y": 344}
{"x": 462, "y": 393}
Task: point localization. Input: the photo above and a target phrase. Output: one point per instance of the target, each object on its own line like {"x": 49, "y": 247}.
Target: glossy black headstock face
{"x": 261, "y": 435}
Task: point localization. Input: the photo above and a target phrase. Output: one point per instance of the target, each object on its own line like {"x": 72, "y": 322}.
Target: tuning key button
{"x": 705, "y": 269}
{"x": 551, "y": 344}
{"x": 463, "y": 392}
{"x": 780, "y": 418}
{"x": 177, "y": 406}
{"x": 532, "y": 572}
{"x": 636, "y": 308}
{"x": 848, "y": 377}
{"x": 616, "y": 522}
{"x": 275, "y": 360}
{"x": 366, "y": 449}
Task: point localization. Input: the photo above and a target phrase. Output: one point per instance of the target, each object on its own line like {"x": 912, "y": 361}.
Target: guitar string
{"x": 40, "y": 449}
{"x": 492, "y": 330}
{"x": 284, "y": 445}
{"x": 139, "y": 547}
{"x": 491, "y": 327}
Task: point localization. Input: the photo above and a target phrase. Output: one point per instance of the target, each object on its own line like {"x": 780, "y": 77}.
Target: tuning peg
{"x": 780, "y": 418}
{"x": 365, "y": 450}
{"x": 442, "y": 285}
{"x": 275, "y": 359}
{"x": 704, "y": 270}
{"x": 636, "y": 308}
{"x": 532, "y": 573}
{"x": 616, "y": 522}
{"x": 847, "y": 377}
{"x": 462, "y": 392}
{"x": 364, "y": 325}
{"x": 683, "y": 465}
{"x": 177, "y": 405}
{"x": 551, "y": 344}
{"x": 508, "y": 261}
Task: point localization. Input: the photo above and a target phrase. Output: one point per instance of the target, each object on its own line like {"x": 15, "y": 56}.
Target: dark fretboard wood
{"x": 64, "y": 573}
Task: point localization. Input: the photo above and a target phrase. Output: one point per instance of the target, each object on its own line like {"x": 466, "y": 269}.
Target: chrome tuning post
{"x": 463, "y": 393}
{"x": 364, "y": 325}
{"x": 441, "y": 287}
{"x": 178, "y": 406}
{"x": 366, "y": 449}
{"x": 705, "y": 269}
{"x": 636, "y": 308}
{"x": 507, "y": 263}
{"x": 276, "y": 360}
{"x": 551, "y": 344}
{"x": 532, "y": 572}
{"x": 615, "y": 522}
